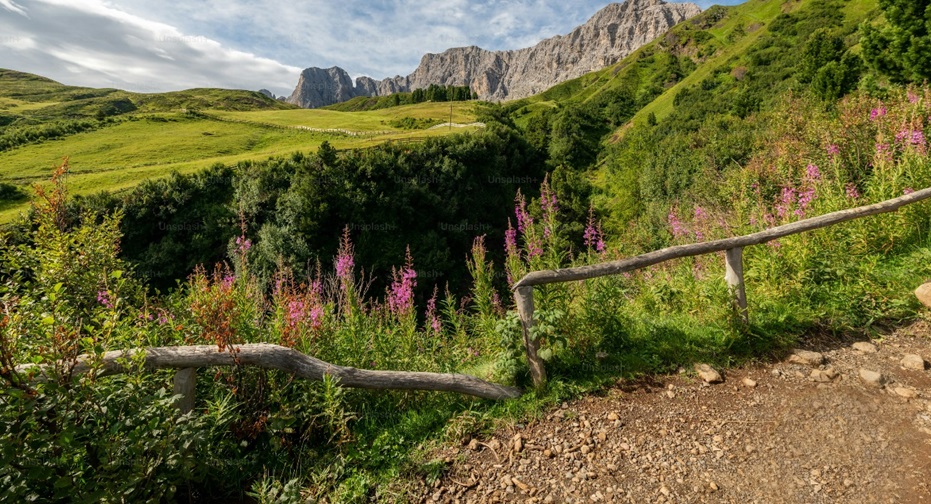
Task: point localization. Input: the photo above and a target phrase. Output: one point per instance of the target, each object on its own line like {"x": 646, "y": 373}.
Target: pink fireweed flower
{"x": 592, "y": 235}
{"x": 295, "y": 313}
{"x": 103, "y": 297}
{"x": 401, "y": 295}
{"x": 804, "y": 199}
{"x": 852, "y": 192}
{"x": 786, "y": 201}
{"x": 832, "y": 150}
{"x": 524, "y": 220}
{"x": 678, "y": 229}
{"x": 912, "y": 97}
{"x": 316, "y": 317}
{"x": 345, "y": 257}
{"x": 917, "y": 138}
{"x": 907, "y": 191}
{"x": 432, "y": 318}
{"x": 534, "y": 248}
{"x": 882, "y": 148}
{"x": 510, "y": 240}
{"x": 700, "y": 213}
{"x": 812, "y": 172}
{"x": 228, "y": 280}
{"x": 243, "y": 244}
{"x": 878, "y": 112}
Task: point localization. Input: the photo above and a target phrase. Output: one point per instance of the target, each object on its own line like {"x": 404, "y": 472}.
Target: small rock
{"x": 670, "y": 394}
{"x": 820, "y": 376}
{"x": 806, "y": 358}
{"x": 612, "y": 417}
{"x": 586, "y": 449}
{"x": 749, "y": 383}
{"x": 708, "y": 374}
{"x": 473, "y": 445}
{"x": 714, "y": 486}
{"x": 664, "y": 490}
{"x": 907, "y": 393}
{"x": 924, "y": 294}
{"x": 865, "y": 347}
{"x": 913, "y": 362}
{"x": 548, "y": 453}
{"x": 518, "y": 444}
{"x": 520, "y": 484}
{"x": 871, "y": 378}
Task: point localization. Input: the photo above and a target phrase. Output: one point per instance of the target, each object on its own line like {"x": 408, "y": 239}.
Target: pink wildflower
{"x": 345, "y": 257}
{"x": 852, "y": 192}
{"x": 678, "y": 229}
{"x": 878, "y": 112}
{"x": 243, "y": 244}
{"x": 510, "y": 240}
{"x": 524, "y": 220}
{"x": 103, "y": 297}
{"x": 812, "y": 172}
{"x": 401, "y": 295}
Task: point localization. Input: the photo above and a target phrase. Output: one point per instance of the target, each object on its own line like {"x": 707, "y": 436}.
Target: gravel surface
{"x": 851, "y": 425}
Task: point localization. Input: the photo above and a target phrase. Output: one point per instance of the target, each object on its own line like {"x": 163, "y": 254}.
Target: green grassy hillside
{"x": 115, "y": 139}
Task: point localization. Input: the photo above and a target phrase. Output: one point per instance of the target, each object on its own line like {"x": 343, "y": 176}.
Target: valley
{"x": 391, "y": 232}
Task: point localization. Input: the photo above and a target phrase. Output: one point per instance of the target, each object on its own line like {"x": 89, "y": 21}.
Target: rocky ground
{"x": 841, "y": 421}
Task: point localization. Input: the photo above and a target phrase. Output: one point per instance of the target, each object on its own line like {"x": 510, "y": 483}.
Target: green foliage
{"x": 901, "y": 48}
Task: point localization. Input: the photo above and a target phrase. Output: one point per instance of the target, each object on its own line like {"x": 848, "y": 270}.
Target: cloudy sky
{"x": 162, "y": 45}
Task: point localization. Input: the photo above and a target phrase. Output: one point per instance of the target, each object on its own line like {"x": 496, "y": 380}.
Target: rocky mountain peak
{"x": 611, "y": 34}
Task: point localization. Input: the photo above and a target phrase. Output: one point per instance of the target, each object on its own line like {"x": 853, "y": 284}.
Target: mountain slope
{"x": 605, "y": 39}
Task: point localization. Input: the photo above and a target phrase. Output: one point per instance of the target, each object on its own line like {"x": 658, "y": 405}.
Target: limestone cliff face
{"x": 609, "y": 36}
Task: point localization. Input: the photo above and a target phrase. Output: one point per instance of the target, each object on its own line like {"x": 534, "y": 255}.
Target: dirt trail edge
{"x": 854, "y": 427}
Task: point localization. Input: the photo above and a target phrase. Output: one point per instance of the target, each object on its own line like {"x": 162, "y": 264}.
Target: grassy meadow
{"x": 162, "y": 135}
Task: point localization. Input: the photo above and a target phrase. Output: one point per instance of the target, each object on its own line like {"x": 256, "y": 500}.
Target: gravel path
{"x": 792, "y": 432}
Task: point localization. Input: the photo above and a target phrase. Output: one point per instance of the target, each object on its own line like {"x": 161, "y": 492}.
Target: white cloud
{"x": 88, "y": 42}
{"x": 13, "y": 7}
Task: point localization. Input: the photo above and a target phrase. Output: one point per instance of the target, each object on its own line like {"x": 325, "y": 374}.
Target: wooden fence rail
{"x": 188, "y": 358}
{"x": 523, "y": 289}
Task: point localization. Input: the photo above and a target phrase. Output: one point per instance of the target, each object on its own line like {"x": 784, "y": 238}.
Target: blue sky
{"x": 149, "y": 46}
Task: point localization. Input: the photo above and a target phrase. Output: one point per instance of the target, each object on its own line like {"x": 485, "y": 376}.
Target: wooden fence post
{"x": 524, "y": 299}
{"x": 185, "y": 382}
{"x": 735, "y": 281}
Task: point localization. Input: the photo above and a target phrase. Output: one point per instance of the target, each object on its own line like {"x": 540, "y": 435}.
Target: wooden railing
{"x": 523, "y": 289}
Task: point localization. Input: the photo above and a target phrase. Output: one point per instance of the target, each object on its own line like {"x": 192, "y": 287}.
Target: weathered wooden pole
{"x": 735, "y": 281}
{"x": 185, "y": 382}
{"x": 523, "y": 296}
{"x": 267, "y": 356}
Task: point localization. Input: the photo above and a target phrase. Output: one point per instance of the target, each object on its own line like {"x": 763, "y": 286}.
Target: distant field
{"x": 375, "y": 120}
{"x": 151, "y": 145}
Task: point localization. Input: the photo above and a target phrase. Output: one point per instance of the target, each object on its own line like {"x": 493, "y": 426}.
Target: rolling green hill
{"x": 115, "y": 139}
